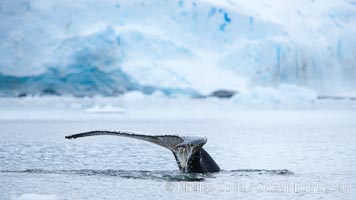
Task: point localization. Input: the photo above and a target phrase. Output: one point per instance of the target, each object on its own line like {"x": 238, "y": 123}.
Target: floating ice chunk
{"x": 105, "y": 109}
{"x": 284, "y": 95}
{"x": 134, "y": 95}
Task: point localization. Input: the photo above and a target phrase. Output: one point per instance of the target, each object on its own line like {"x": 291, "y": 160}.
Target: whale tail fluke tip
{"x": 69, "y": 137}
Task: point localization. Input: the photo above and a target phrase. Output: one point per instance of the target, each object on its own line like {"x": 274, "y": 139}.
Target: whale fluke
{"x": 187, "y": 150}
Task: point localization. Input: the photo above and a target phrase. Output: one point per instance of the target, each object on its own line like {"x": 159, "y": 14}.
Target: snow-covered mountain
{"x": 108, "y": 47}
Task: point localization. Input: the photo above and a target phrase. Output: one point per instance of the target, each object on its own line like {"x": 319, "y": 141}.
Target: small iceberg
{"x": 105, "y": 109}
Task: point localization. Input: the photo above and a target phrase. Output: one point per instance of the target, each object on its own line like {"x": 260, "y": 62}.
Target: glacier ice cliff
{"x": 84, "y": 48}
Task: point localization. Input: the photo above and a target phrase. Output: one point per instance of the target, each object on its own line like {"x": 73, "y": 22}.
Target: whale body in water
{"x": 187, "y": 150}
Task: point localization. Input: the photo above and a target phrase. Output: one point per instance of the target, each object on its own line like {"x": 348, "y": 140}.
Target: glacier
{"x": 192, "y": 47}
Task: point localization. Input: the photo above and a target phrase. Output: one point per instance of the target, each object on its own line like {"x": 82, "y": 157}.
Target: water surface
{"x": 306, "y": 154}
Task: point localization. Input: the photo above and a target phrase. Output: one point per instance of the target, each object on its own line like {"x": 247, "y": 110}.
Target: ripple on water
{"x": 167, "y": 175}
{"x": 246, "y": 172}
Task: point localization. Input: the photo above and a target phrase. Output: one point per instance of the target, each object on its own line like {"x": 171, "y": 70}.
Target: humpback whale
{"x": 187, "y": 150}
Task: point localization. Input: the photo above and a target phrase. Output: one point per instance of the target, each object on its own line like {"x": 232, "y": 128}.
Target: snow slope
{"x": 109, "y": 47}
